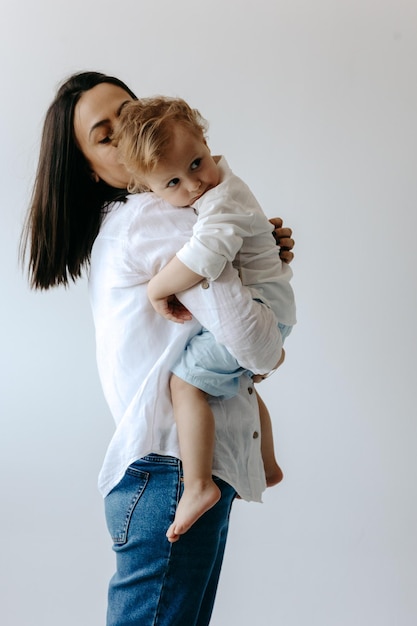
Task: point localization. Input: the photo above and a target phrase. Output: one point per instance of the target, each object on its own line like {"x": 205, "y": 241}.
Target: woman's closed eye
{"x": 106, "y": 139}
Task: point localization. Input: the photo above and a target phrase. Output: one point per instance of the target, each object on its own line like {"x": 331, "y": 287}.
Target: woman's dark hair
{"x": 67, "y": 205}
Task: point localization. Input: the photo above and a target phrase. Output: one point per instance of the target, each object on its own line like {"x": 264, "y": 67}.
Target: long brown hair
{"x": 67, "y": 205}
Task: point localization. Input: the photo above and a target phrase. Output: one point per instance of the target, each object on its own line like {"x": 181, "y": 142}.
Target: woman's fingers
{"x": 276, "y": 221}
{"x": 286, "y": 256}
{"x": 286, "y": 242}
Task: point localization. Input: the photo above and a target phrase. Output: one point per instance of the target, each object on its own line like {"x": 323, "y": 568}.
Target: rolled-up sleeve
{"x": 247, "y": 328}
{"x": 201, "y": 259}
{"x": 227, "y": 215}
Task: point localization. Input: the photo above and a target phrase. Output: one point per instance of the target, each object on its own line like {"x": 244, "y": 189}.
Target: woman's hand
{"x": 283, "y": 239}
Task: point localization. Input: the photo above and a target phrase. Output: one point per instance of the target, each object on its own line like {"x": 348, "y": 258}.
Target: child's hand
{"x": 171, "y": 308}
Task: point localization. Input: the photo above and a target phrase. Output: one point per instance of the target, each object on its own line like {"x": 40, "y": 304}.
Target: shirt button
{"x": 250, "y": 390}
{"x": 205, "y": 284}
{"x": 255, "y": 434}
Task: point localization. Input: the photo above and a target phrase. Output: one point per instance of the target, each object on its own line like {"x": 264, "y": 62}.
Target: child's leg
{"x": 195, "y": 425}
{"x": 273, "y": 472}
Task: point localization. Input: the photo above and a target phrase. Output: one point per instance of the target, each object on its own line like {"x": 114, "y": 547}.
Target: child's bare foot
{"x": 273, "y": 475}
{"x": 195, "y": 501}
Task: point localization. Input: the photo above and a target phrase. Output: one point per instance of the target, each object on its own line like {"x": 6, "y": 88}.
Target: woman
{"x": 74, "y": 222}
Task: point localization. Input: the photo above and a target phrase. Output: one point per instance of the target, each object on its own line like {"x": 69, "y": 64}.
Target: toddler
{"x": 162, "y": 142}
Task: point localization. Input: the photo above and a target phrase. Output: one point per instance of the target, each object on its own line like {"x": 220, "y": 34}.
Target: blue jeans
{"x": 158, "y": 583}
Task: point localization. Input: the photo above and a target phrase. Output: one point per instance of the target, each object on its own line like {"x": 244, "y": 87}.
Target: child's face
{"x": 187, "y": 171}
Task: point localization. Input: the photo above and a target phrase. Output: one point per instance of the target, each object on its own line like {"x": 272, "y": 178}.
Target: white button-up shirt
{"x": 136, "y": 347}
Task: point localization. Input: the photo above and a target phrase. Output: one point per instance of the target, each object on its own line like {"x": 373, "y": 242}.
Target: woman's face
{"x": 94, "y": 117}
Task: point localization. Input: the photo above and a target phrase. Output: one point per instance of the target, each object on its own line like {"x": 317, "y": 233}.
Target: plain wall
{"x": 314, "y": 104}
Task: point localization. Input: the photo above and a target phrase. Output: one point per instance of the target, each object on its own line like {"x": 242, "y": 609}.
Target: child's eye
{"x": 173, "y": 182}
{"x": 105, "y": 140}
{"x": 195, "y": 164}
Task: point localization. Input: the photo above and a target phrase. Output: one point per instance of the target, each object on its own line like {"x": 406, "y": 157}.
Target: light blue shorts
{"x": 207, "y": 365}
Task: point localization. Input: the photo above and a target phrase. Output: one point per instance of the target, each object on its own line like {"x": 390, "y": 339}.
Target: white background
{"x": 315, "y": 105}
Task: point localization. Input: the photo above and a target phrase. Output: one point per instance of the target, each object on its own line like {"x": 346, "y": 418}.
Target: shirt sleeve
{"x": 247, "y": 328}
{"x": 227, "y": 214}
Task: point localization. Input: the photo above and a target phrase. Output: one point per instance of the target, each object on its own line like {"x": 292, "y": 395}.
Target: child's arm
{"x": 173, "y": 278}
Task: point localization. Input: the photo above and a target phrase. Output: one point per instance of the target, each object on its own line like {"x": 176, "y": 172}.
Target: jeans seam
{"x": 159, "y": 458}
{"x": 171, "y": 545}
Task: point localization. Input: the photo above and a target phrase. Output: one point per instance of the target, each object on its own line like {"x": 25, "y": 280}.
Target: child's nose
{"x": 193, "y": 184}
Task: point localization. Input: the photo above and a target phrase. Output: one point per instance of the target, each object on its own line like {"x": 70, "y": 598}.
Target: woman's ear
{"x": 94, "y": 177}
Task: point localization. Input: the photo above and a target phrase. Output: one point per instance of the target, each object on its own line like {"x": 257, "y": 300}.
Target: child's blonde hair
{"x": 143, "y": 133}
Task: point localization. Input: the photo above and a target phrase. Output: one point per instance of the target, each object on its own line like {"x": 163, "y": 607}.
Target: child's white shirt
{"x": 232, "y": 226}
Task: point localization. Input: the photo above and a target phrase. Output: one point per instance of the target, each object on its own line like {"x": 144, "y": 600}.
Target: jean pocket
{"x": 120, "y": 503}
